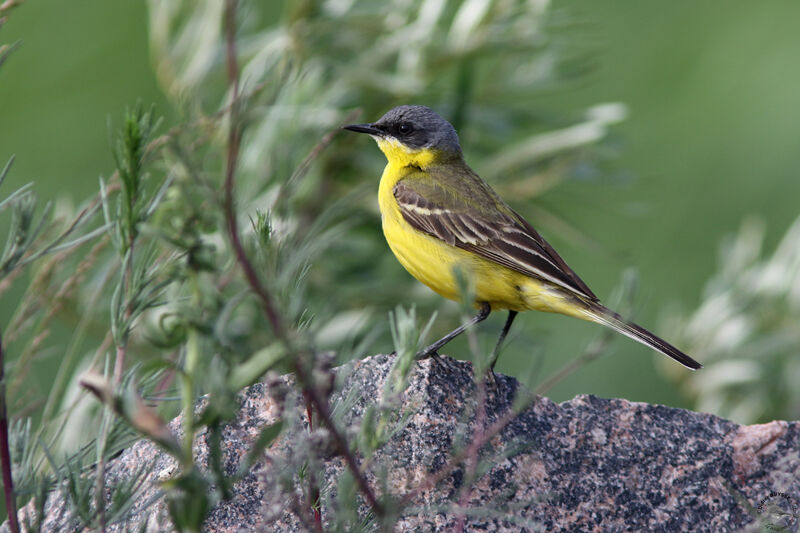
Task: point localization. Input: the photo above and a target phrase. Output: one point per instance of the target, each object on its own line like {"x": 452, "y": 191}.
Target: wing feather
{"x": 474, "y": 218}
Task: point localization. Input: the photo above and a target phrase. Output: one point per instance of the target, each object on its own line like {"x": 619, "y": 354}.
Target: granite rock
{"x": 588, "y": 464}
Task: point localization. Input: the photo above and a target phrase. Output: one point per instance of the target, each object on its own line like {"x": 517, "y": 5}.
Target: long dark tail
{"x": 607, "y": 317}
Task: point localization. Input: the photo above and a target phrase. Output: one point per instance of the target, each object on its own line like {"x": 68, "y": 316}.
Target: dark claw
{"x": 425, "y": 354}
{"x": 491, "y": 379}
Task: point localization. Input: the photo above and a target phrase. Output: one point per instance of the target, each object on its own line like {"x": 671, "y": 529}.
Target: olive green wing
{"x": 454, "y": 205}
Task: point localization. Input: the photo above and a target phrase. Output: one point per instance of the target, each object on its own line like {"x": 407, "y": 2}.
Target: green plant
{"x": 746, "y": 330}
{"x": 232, "y": 245}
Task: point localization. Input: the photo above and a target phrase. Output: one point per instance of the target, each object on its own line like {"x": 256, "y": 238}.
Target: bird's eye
{"x": 404, "y": 129}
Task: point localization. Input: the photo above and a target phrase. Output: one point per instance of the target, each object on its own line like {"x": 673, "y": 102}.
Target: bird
{"x": 440, "y": 218}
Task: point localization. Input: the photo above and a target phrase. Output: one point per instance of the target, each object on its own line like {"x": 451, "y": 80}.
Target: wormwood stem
{"x": 313, "y": 487}
{"x": 318, "y": 402}
{"x": 5, "y": 451}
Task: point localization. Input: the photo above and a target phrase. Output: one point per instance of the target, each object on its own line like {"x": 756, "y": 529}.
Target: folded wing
{"x": 465, "y": 212}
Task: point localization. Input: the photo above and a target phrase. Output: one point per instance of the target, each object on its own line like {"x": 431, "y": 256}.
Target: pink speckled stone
{"x": 588, "y": 464}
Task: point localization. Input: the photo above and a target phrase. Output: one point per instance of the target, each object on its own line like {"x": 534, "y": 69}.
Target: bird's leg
{"x": 433, "y": 349}
{"x": 496, "y": 353}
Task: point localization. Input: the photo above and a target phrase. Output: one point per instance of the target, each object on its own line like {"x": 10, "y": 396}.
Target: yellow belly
{"x": 434, "y": 263}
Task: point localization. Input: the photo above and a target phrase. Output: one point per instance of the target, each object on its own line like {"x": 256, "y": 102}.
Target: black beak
{"x": 364, "y": 128}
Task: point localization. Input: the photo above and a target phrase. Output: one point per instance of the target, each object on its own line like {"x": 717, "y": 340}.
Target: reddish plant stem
{"x": 314, "y": 496}
{"x": 234, "y": 141}
{"x": 298, "y": 509}
{"x": 313, "y": 488}
{"x": 324, "y": 414}
{"x": 5, "y": 451}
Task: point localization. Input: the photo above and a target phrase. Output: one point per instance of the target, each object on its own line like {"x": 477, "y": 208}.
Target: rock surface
{"x": 588, "y": 464}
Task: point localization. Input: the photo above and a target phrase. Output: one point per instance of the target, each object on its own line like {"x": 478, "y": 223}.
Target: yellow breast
{"x": 434, "y": 262}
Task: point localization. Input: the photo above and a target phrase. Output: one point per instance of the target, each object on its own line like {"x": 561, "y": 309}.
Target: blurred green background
{"x": 711, "y": 137}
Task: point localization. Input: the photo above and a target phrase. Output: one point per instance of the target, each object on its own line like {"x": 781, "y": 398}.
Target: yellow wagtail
{"x": 439, "y": 215}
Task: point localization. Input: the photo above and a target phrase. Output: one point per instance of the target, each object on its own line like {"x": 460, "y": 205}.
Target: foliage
{"x": 232, "y": 244}
{"x": 746, "y": 329}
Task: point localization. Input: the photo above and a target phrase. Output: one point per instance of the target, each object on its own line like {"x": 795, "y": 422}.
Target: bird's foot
{"x": 427, "y": 353}
{"x": 491, "y": 381}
